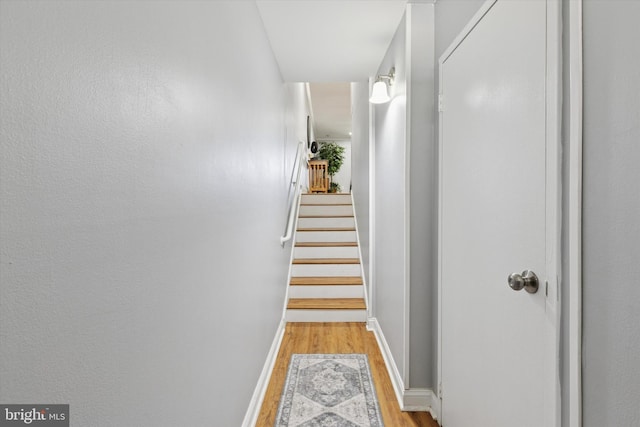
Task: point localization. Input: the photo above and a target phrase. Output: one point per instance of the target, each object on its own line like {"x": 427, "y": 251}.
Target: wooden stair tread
{"x": 325, "y": 216}
{"x": 326, "y": 304}
{"x": 326, "y": 261}
{"x": 324, "y": 244}
{"x": 328, "y": 229}
{"x": 324, "y": 204}
{"x": 329, "y": 281}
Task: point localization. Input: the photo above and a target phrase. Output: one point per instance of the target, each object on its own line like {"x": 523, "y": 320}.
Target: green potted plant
{"x": 334, "y": 155}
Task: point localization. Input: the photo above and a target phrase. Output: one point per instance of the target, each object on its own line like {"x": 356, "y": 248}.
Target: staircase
{"x": 326, "y": 275}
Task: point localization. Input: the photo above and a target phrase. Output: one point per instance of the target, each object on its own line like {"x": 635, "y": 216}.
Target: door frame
{"x": 553, "y": 188}
{"x": 574, "y": 215}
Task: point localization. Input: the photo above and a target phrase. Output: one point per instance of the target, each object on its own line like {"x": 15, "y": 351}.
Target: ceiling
{"x": 331, "y": 105}
{"x": 330, "y": 40}
{"x": 330, "y": 43}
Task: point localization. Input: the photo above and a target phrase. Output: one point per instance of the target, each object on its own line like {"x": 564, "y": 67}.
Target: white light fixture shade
{"x": 379, "y": 94}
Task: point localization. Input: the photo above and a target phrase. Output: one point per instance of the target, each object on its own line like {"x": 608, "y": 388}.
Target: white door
{"x": 497, "y": 344}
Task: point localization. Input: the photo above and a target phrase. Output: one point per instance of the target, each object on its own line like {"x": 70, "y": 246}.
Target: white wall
{"x": 390, "y": 187}
{"x": 451, "y": 16}
{"x": 405, "y": 201}
{"x": 142, "y": 181}
{"x": 611, "y": 214}
{"x": 360, "y": 168}
{"x": 297, "y": 110}
{"x": 423, "y": 190}
{"x": 343, "y": 176}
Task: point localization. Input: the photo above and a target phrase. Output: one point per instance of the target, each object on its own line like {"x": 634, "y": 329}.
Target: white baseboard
{"x": 253, "y": 411}
{"x": 421, "y": 400}
{"x": 392, "y": 368}
{"x": 412, "y": 399}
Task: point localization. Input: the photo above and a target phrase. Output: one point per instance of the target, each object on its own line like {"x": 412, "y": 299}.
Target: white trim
{"x": 553, "y": 202}
{"x": 488, "y": 4}
{"x": 553, "y": 185}
{"x": 364, "y": 279}
{"x": 574, "y": 214}
{"x": 307, "y": 89}
{"x": 406, "y": 322}
{"x": 433, "y": 402}
{"x": 372, "y": 206}
{"x": 553, "y": 153}
{"x": 422, "y": 400}
{"x": 392, "y": 368}
{"x": 253, "y": 411}
{"x": 439, "y": 260}
{"x": 416, "y": 399}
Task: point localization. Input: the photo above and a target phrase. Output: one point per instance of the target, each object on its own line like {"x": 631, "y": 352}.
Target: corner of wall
{"x": 409, "y": 399}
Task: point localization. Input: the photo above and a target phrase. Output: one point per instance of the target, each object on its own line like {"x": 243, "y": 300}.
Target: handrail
{"x": 297, "y": 186}
{"x": 294, "y": 169}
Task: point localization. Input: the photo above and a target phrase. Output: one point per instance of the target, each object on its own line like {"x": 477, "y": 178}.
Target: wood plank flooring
{"x": 337, "y": 338}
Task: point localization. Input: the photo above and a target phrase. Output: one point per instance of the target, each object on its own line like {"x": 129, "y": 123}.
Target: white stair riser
{"x": 326, "y": 315}
{"x": 326, "y": 252}
{"x": 325, "y": 236}
{"x": 326, "y": 291}
{"x": 346, "y": 222}
{"x": 339, "y": 210}
{"x": 326, "y": 199}
{"x": 325, "y": 270}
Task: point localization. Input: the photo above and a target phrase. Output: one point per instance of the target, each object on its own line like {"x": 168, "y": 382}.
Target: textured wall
{"x": 143, "y": 182}
{"x": 611, "y": 214}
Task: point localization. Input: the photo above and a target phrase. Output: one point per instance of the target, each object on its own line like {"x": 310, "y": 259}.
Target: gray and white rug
{"x": 329, "y": 390}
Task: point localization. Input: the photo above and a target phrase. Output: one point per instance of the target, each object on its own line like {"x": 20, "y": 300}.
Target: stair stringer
{"x": 291, "y": 257}
{"x": 364, "y": 278}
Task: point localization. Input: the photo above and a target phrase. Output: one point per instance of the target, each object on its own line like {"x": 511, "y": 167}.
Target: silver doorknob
{"x": 527, "y": 281}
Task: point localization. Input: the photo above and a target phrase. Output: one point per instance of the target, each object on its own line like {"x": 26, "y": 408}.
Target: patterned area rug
{"x": 329, "y": 390}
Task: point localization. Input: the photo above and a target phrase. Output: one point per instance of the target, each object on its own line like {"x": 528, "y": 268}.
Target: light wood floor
{"x": 338, "y": 338}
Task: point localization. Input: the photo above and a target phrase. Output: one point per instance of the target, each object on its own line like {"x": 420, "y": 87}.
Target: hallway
{"x": 338, "y": 338}
{"x": 145, "y": 158}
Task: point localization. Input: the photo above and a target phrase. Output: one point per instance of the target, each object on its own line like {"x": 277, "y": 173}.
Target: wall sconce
{"x": 379, "y": 93}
